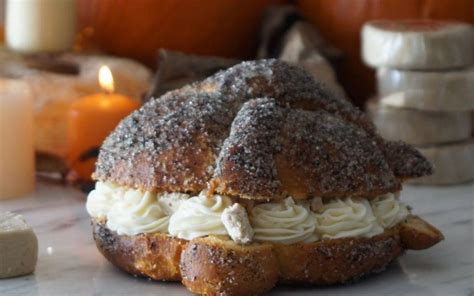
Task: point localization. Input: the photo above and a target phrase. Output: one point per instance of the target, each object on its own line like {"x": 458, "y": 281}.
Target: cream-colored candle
{"x": 17, "y": 169}
{"x": 34, "y": 26}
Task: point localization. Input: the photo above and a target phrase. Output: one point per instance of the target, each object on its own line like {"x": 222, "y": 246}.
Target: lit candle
{"x": 34, "y": 26}
{"x": 90, "y": 120}
{"x": 17, "y": 169}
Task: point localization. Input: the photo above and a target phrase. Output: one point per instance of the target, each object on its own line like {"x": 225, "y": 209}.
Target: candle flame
{"x": 106, "y": 80}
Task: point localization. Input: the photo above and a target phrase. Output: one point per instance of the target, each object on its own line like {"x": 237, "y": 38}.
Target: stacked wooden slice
{"x": 425, "y": 84}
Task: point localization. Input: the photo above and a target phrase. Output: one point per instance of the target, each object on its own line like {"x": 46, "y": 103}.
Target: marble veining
{"x": 69, "y": 263}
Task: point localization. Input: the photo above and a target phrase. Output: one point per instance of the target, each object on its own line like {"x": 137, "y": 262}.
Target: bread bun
{"x": 213, "y": 265}
{"x": 260, "y": 130}
{"x": 235, "y": 145}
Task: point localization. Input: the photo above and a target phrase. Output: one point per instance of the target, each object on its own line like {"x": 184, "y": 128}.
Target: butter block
{"x": 18, "y": 246}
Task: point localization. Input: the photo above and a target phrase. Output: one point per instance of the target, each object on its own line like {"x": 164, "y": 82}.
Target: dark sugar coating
{"x": 247, "y": 156}
{"x": 289, "y": 85}
{"x": 406, "y": 161}
{"x": 337, "y": 158}
{"x": 274, "y": 151}
{"x": 304, "y": 140}
{"x": 166, "y": 141}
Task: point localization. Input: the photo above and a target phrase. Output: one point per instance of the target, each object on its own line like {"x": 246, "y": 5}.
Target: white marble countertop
{"x": 69, "y": 263}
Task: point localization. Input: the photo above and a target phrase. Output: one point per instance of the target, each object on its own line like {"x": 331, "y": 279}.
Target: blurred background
{"x": 230, "y": 28}
{"x": 55, "y": 49}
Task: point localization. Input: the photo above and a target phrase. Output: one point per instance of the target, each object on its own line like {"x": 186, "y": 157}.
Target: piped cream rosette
{"x": 200, "y": 216}
{"x": 284, "y": 222}
{"x": 131, "y": 211}
{"x": 347, "y": 218}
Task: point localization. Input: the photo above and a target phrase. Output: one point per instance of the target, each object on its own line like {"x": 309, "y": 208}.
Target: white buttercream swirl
{"x": 170, "y": 202}
{"x": 350, "y": 217}
{"x": 138, "y": 212}
{"x": 102, "y": 199}
{"x": 388, "y": 210}
{"x": 284, "y": 222}
{"x": 199, "y": 216}
{"x": 131, "y": 211}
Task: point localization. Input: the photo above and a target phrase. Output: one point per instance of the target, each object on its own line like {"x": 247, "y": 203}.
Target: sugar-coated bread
{"x": 337, "y": 260}
{"x": 259, "y": 130}
{"x": 417, "y": 234}
{"x": 214, "y": 265}
{"x": 154, "y": 255}
{"x": 211, "y": 266}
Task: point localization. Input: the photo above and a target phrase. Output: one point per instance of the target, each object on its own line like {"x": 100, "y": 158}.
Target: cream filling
{"x": 199, "y": 216}
{"x": 388, "y": 210}
{"x": 131, "y": 211}
{"x": 349, "y": 217}
{"x": 102, "y": 198}
{"x": 138, "y": 212}
{"x": 283, "y": 222}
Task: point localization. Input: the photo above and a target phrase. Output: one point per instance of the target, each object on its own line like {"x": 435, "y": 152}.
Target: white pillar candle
{"x": 17, "y": 169}
{"x": 34, "y": 26}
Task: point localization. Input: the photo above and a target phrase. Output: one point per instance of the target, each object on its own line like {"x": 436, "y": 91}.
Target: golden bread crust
{"x": 214, "y": 265}
{"x": 211, "y": 266}
{"x": 417, "y": 234}
{"x": 310, "y": 153}
{"x": 259, "y": 130}
{"x": 155, "y": 255}
{"x": 338, "y": 260}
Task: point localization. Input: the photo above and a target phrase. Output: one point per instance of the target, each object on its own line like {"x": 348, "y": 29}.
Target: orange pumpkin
{"x": 139, "y": 28}
{"x": 340, "y": 21}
